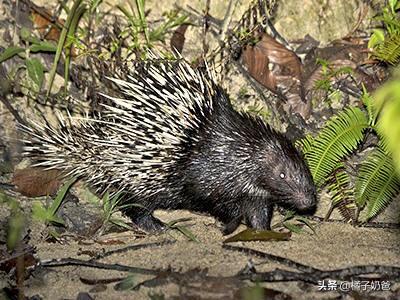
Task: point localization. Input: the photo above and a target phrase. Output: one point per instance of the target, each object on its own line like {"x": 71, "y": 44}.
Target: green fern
{"x": 389, "y": 50}
{"x": 377, "y": 182}
{"x": 385, "y": 41}
{"x": 305, "y": 144}
{"x": 339, "y": 187}
{"x": 341, "y": 136}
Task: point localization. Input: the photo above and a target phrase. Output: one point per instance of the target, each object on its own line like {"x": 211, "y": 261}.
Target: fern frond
{"x": 305, "y": 144}
{"x": 339, "y": 187}
{"x": 368, "y": 102}
{"x": 377, "y": 182}
{"x": 389, "y": 50}
{"x": 341, "y": 136}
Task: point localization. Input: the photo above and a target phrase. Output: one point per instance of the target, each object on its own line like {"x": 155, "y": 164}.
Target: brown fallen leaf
{"x": 278, "y": 69}
{"x": 24, "y": 254}
{"x": 36, "y": 182}
{"x": 259, "y": 235}
{"x": 178, "y": 38}
{"x": 46, "y": 27}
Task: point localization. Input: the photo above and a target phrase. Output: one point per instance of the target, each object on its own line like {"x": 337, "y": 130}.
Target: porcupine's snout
{"x": 305, "y": 202}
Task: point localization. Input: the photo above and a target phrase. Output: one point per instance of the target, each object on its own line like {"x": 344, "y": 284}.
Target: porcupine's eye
{"x": 282, "y": 175}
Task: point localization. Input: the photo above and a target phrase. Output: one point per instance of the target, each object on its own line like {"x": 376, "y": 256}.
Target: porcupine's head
{"x": 285, "y": 174}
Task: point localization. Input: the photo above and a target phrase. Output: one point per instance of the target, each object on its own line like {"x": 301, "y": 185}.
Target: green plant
{"x": 33, "y": 66}
{"x": 48, "y": 214}
{"x": 329, "y": 74}
{"x": 376, "y": 182}
{"x": 294, "y": 223}
{"x": 387, "y": 105}
{"x": 142, "y": 35}
{"x": 71, "y": 24}
{"x": 16, "y": 221}
{"x": 112, "y": 205}
{"x": 174, "y": 225}
{"x": 385, "y": 42}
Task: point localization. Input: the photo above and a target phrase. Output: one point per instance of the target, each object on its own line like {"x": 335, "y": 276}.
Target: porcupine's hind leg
{"x": 148, "y": 223}
{"x": 144, "y": 219}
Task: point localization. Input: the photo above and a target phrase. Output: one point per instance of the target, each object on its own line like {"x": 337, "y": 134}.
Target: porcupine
{"x": 170, "y": 139}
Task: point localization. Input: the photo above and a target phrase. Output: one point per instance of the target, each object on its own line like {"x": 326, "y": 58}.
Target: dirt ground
{"x": 333, "y": 246}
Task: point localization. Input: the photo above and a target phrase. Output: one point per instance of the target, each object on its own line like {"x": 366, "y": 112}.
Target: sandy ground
{"x": 334, "y": 245}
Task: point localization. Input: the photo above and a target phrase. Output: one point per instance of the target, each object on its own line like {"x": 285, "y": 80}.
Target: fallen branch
{"x": 310, "y": 274}
{"x": 63, "y": 262}
{"x": 130, "y": 248}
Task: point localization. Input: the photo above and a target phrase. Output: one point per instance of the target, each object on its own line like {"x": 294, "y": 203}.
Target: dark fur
{"x": 233, "y": 173}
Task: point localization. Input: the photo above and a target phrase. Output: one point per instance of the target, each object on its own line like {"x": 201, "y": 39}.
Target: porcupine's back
{"x": 133, "y": 145}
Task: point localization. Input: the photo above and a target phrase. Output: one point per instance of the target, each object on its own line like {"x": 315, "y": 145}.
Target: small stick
{"x": 227, "y": 20}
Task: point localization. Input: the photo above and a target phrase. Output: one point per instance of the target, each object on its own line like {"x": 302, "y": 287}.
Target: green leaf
{"x": 392, "y": 5}
{"x": 377, "y": 183}
{"x": 307, "y": 222}
{"x": 389, "y": 50}
{"x": 387, "y": 102}
{"x": 338, "y": 138}
{"x": 289, "y": 215}
{"x": 186, "y": 232}
{"x": 10, "y": 52}
{"x": 174, "y": 222}
{"x": 142, "y": 16}
{"x": 305, "y": 144}
{"x": 43, "y": 47}
{"x": 341, "y": 191}
{"x": 120, "y": 222}
{"x": 293, "y": 227}
{"x": 183, "y": 229}
{"x": 27, "y": 36}
{"x": 68, "y": 46}
{"x": 128, "y": 283}
{"x": 35, "y": 71}
{"x": 61, "y": 41}
{"x": 16, "y": 221}
{"x": 39, "y": 212}
{"x": 60, "y": 196}
{"x": 377, "y": 37}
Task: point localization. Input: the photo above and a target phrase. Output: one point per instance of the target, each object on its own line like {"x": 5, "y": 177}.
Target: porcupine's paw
{"x": 149, "y": 224}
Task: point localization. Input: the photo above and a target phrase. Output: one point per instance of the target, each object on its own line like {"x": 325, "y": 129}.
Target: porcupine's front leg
{"x": 260, "y": 217}
{"x": 257, "y": 218}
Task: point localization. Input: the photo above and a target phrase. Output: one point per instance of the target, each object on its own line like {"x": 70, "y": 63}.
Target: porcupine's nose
{"x": 306, "y": 203}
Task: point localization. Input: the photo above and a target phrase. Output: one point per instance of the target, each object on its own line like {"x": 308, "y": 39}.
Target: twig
{"x": 132, "y": 247}
{"x": 310, "y": 274}
{"x": 369, "y": 224}
{"x": 62, "y": 262}
{"x": 206, "y": 26}
{"x": 282, "y": 260}
{"x": 12, "y": 110}
{"x": 227, "y": 20}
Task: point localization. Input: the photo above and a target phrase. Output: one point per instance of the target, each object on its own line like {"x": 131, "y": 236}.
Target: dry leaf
{"x": 178, "y": 38}
{"x": 36, "y": 182}
{"x": 278, "y": 69}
